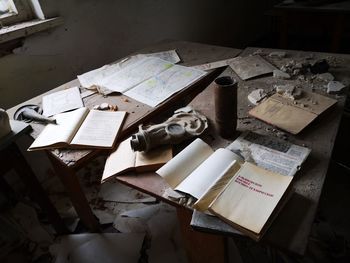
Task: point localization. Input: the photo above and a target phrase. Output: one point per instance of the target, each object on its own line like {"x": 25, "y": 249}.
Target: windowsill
{"x": 27, "y": 28}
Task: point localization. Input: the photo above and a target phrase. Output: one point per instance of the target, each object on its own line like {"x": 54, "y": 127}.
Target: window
{"x": 15, "y": 11}
{"x": 20, "y": 18}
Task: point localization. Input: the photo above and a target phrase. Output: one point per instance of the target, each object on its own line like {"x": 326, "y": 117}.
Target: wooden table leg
{"x": 36, "y": 192}
{"x": 200, "y": 247}
{"x": 76, "y": 194}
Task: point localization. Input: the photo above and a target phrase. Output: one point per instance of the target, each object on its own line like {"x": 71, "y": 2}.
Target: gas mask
{"x": 185, "y": 123}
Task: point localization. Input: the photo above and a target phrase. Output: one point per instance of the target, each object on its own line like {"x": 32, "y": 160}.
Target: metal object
{"x": 185, "y": 123}
{"x": 32, "y": 112}
{"x": 226, "y": 106}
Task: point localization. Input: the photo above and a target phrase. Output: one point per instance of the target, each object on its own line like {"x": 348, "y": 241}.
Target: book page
{"x": 197, "y": 183}
{"x": 99, "y": 129}
{"x": 207, "y": 198}
{"x": 61, "y": 101}
{"x": 160, "y": 87}
{"x": 250, "y": 197}
{"x": 185, "y": 162}
{"x": 62, "y": 132}
{"x": 119, "y": 160}
{"x": 157, "y": 156}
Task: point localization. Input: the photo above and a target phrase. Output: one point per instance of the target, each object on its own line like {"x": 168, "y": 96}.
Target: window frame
{"x": 23, "y": 11}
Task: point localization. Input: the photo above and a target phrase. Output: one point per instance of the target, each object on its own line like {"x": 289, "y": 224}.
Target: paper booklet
{"x": 81, "y": 128}
{"x": 284, "y": 114}
{"x": 124, "y": 159}
{"x": 240, "y": 193}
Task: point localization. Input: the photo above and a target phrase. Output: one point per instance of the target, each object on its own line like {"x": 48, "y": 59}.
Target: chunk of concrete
{"x": 288, "y": 91}
{"x": 279, "y": 74}
{"x": 277, "y": 54}
{"x": 256, "y": 96}
{"x": 335, "y": 87}
{"x": 325, "y": 77}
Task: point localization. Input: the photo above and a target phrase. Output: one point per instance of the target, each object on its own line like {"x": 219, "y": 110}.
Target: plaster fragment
{"x": 335, "y": 87}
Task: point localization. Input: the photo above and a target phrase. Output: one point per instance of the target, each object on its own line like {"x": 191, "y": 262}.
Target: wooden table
{"x": 291, "y": 229}
{"x": 67, "y": 162}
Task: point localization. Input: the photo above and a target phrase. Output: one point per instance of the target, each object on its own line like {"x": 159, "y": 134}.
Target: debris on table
{"x": 289, "y": 91}
{"x": 277, "y": 54}
{"x": 279, "y": 74}
{"x": 326, "y": 77}
{"x": 256, "y": 96}
{"x": 335, "y": 87}
{"x": 105, "y": 106}
{"x": 320, "y": 66}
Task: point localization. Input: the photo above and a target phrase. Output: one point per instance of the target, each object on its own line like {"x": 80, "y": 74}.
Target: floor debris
{"x": 91, "y": 248}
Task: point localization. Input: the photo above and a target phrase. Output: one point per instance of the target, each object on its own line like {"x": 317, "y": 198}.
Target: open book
{"x": 124, "y": 159}
{"x": 81, "y": 128}
{"x": 240, "y": 193}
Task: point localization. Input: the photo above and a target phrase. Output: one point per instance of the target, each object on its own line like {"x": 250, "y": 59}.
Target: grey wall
{"x": 98, "y": 32}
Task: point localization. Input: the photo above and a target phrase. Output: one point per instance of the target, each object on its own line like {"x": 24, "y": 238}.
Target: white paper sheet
{"x": 61, "y": 101}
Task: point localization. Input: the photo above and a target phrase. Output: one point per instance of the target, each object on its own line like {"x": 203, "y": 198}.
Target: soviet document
{"x": 290, "y": 116}
{"x": 250, "y": 198}
{"x": 61, "y": 101}
{"x": 124, "y": 159}
{"x": 81, "y": 128}
{"x": 251, "y": 67}
{"x": 97, "y": 76}
{"x": 157, "y": 89}
{"x": 195, "y": 169}
{"x": 270, "y": 153}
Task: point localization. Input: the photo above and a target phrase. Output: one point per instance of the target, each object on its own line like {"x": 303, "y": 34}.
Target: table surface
{"x": 190, "y": 53}
{"x": 291, "y": 228}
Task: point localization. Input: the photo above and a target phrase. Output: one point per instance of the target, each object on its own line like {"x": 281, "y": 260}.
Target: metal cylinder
{"x": 226, "y": 106}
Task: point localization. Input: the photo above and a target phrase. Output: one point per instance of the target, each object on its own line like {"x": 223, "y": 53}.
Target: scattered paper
{"x": 61, "y": 101}
{"x": 97, "y": 76}
{"x": 116, "y": 247}
{"x": 251, "y": 66}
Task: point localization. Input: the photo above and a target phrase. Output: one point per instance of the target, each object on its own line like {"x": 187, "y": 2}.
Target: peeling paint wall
{"x": 98, "y": 32}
